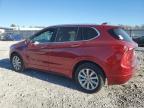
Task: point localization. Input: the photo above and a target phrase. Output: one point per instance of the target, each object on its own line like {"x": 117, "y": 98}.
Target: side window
{"x": 80, "y": 34}
{"x": 89, "y": 33}
{"x": 86, "y": 33}
{"x": 46, "y": 36}
{"x": 66, "y": 34}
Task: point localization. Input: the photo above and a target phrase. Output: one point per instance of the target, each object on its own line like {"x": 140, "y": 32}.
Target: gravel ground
{"x": 34, "y": 89}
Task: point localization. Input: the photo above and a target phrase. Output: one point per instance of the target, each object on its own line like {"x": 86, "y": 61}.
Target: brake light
{"x": 128, "y": 59}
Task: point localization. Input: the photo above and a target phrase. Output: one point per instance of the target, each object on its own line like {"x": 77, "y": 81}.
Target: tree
{"x": 142, "y": 26}
{"x": 12, "y": 25}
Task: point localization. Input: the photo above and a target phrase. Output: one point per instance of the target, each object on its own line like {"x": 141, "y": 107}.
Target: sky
{"x": 53, "y": 12}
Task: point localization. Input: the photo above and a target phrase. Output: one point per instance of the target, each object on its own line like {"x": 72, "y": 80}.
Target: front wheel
{"x": 17, "y": 63}
{"x": 89, "y": 77}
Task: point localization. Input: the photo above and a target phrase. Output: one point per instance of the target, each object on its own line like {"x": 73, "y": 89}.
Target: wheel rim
{"x": 88, "y": 79}
{"x": 16, "y": 63}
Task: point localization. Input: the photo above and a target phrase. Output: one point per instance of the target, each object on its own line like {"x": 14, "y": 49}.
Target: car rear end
{"x": 126, "y": 58}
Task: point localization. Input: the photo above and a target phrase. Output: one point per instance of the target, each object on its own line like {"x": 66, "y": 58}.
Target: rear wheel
{"x": 89, "y": 77}
{"x": 17, "y": 63}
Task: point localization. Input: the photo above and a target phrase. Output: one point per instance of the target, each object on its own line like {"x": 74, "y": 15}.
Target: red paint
{"x": 115, "y": 57}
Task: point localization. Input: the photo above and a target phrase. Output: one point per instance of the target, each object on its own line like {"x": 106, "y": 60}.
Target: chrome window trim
{"x": 58, "y": 28}
{"x": 98, "y": 34}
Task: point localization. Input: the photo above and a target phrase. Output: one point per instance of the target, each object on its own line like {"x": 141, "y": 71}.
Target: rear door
{"x": 64, "y": 51}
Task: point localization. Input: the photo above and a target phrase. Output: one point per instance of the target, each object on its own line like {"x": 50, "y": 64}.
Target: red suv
{"x": 89, "y": 54}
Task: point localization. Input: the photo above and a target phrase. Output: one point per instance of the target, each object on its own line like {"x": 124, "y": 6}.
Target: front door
{"x": 37, "y": 51}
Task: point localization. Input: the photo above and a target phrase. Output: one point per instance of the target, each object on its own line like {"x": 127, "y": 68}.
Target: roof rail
{"x": 105, "y": 23}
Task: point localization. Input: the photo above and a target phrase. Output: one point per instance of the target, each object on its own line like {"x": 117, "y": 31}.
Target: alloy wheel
{"x": 17, "y": 63}
{"x": 88, "y": 79}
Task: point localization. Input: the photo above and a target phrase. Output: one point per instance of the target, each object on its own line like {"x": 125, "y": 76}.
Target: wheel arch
{"x": 14, "y": 53}
{"x": 87, "y": 61}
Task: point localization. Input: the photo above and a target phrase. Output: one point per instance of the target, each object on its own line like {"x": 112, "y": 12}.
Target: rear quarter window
{"x": 89, "y": 33}
{"x": 120, "y": 34}
{"x": 86, "y": 33}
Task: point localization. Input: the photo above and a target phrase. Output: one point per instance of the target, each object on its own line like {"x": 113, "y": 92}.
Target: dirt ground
{"x": 35, "y": 89}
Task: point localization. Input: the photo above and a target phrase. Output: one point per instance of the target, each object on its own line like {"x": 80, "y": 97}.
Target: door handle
{"x": 75, "y": 45}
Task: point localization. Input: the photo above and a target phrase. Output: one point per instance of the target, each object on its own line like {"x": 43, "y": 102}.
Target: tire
{"x": 17, "y": 63}
{"x": 93, "y": 81}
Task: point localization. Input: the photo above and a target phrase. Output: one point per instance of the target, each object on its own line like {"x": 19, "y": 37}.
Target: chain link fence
{"x": 135, "y": 32}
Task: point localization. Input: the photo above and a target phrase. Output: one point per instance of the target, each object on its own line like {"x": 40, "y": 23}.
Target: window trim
{"x": 98, "y": 34}
{"x": 58, "y": 28}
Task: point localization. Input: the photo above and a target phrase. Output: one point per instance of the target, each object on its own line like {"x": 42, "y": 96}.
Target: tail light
{"x": 129, "y": 58}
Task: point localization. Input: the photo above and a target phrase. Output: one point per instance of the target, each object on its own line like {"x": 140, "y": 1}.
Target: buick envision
{"x": 89, "y": 54}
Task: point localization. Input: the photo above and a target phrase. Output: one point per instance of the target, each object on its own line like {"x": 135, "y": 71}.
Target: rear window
{"x": 66, "y": 34}
{"x": 120, "y": 34}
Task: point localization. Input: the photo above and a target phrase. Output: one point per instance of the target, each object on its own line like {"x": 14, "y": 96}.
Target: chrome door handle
{"x": 75, "y": 45}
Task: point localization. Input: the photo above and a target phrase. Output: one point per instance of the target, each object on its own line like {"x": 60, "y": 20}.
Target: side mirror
{"x": 27, "y": 41}
{"x": 33, "y": 44}
{"x": 36, "y": 43}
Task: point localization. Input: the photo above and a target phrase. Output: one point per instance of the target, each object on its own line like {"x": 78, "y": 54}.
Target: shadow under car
{"x": 45, "y": 76}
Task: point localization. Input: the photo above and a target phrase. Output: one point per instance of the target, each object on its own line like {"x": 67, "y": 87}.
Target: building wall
{"x": 23, "y": 32}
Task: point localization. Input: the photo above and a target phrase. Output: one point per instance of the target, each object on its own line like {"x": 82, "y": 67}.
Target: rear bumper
{"x": 124, "y": 76}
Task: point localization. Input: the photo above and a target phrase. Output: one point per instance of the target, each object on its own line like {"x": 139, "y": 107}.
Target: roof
{"x": 6, "y": 28}
{"x": 82, "y": 25}
{"x": 28, "y": 29}
{"x": 21, "y": 28}
{"x": 69, "y": 25}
